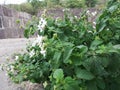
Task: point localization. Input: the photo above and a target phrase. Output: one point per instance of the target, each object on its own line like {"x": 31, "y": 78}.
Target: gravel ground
{"x": 7, "y": 48}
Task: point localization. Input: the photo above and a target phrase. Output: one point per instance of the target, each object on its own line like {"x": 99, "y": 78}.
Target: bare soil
{"x": 7, "y": 48}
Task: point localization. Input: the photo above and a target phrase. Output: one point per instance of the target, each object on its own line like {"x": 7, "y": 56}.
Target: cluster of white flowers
{"x": 42, "y": 24}
{"x": 76, "y": 17}
{"x": 88, "y": 12}
{"x": 32, "y": 53}
{"x": 91, "y": 13}
{"x": 16, "y": 57}
{"x": 94, "y": 27}
{"x": 66, "y": 9}
{"x": 39, "y": 40}
{"x": 43, "y": 52}
{"x": 10, "y": 68}
{"x": 45, "y": 84}
{"x": 94, "y": 24}
{"x": 94, "y": 13}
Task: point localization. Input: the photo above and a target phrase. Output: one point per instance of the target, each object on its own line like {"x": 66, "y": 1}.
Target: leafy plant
{"x": 69, "y": 54}
{"x": 91, "y": 3}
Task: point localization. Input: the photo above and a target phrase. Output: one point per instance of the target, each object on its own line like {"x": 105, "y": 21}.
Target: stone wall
{"x": 58, "y": 12}
{"x": 8, "y": 17}
{"x": 9, "y": 28}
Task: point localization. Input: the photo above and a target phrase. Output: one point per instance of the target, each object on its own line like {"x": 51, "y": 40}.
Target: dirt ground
{"x": 7, "y": 48}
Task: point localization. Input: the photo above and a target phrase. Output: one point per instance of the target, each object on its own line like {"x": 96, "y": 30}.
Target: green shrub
{"x": 69, "y": 54}
{"x": 73, "y": 3}
{"x": 91, "y": 3}
{"x": 26, "y": 7}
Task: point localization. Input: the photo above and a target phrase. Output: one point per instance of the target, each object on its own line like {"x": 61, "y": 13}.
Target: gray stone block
{"x": 8, "y": 32}
{"x": 1, "y": 11}
{"x": 15, "y": 14}
{"x": 13, "y": 33}
{"x": 2, "y": 34}
{"x": 9, "y": 22}
{"x": 7, "y": 12}
{"x": 6, "y": 21}
{"x": 23, "y": 15}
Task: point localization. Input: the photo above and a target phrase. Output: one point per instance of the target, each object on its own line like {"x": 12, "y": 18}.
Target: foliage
{"x": 69, "y": 54}
{"x": 36, "y": 4}
{"x": 24, "y": 7}
{"x": 73, "y": 3}
{"x": 90, "y": 3}
{"x": 33, "y": 6}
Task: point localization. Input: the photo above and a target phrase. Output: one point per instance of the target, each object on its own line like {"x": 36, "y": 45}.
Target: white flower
{"x": 8, "y": 68}
{"x": 94, "y": 27}
{"x": 89, "y": 31}
{"x": 67, "y": 9}
{"x": 6, "y": 74}
{"x": 38, "y": 41}
{"x": 45, "y": 84}
{"x": 43, "y": 52}
{"x": 75, "y": 16}
{"x": 88, "y": 12}
{"x": 34, "y": 44}
{"x": 63, "y": 10}
{"x": 12, "y": 68}
{"x": 42, "y": 24}
{"x": 16, "y": 57}
{"x": 94, "y": 13}
{"x": 94, "y": 23}
{"x": 32, "y": 53}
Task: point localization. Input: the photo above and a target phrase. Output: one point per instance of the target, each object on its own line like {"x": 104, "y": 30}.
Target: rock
{"x": 8, "y": 22}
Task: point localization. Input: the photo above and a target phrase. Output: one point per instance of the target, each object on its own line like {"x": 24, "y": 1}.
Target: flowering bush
{"x": 71, "y": 54}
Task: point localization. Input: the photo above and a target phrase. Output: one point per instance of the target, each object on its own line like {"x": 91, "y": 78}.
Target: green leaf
{"x": 67, "y": 54}
{"x": 117, "y": 47}
{"x": 95, "y": 43}
{"x": 71, "y": 84}
{"x": 84, "y": 74}
{"x": 91, "y": 85}
{"x": 83, "y": 48}
{"x": 26, "y": 33}
{"x": 105, "y": 61}
{"x": 101, "y": 49}
{"x": 76, "y": 60}
{"x": 56, "y": 57}
{"x": 58, "y": 74}
{"x": 102, "y": 27}
{"x": 100, "y": 84}
{"x": 53, "y": 29}
{"x": 113, "y": 8}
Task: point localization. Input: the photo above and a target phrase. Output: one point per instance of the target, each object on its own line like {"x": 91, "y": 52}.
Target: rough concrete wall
{"x": 76, "y": 11}
{"x": 10, "y": 29}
